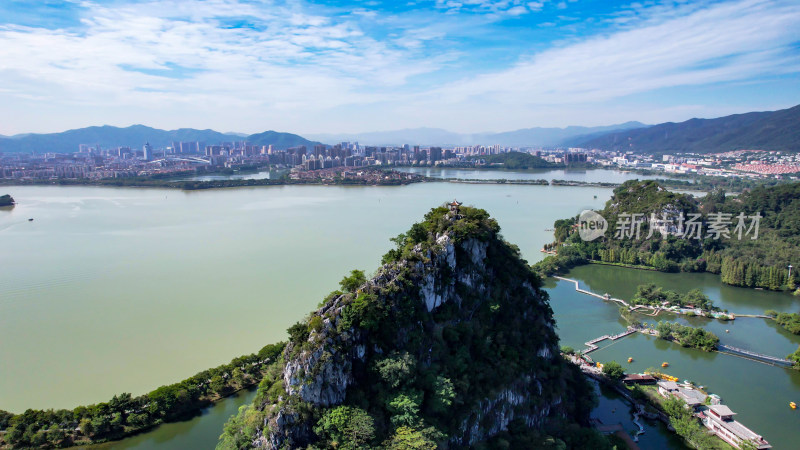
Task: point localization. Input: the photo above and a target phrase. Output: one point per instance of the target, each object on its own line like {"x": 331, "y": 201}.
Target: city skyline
{"x": 465, "y": 66}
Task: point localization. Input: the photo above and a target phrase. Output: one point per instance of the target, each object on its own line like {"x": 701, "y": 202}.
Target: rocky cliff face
{"x": 465, "y": 308}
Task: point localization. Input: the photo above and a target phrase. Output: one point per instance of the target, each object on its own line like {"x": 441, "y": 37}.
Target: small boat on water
{"x": 793, "y": 405}
{"x": 664, "y": 364}
{"x": 630, "y": 360}
{"x": 30, "y": 220}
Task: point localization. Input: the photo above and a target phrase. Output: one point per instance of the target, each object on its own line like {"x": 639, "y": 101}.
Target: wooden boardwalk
{"x": 584, "y": 291}
{"x": 592, "y": 345}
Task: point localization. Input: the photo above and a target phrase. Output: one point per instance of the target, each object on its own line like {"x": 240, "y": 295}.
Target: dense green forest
{"x": 518, "y": 161}
{"x": 795, "y": 357}
{"x": 124, "y": 414}
{"x": 687, "y": 336}
{"x": 721, "y": 240}
{"x": 789, "y": 321}
{"x": 425, "y": 372}
{"x": 6, "y": 200}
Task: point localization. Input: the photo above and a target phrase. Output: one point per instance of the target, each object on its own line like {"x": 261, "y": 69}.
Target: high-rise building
{"x": 435, "y": 154}
{"x": 570, "y": 158}
{"x": 185, "y": 147}
{"x": 147, "y": 151}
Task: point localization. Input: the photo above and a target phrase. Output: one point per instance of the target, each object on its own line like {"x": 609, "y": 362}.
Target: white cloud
{"x": 535, "y": 6}
{"x": 500, "y": 8}
{"x": 299, "y": 59}
{"x": 314, "y": 70}
{"x": 722, "y": 43}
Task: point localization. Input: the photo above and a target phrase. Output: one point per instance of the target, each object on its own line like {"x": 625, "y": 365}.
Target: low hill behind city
{"x": 771, "y": 130}
{"x": 136, "y": 136}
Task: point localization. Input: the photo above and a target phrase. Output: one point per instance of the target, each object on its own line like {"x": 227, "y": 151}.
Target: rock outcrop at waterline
{"x": 6, "y": 200}
{"x": 449, "y": 342}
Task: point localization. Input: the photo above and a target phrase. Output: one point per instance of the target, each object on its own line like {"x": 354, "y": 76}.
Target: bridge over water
{"x": 190, "y": 159}
{"x": 753, "y": 355}
{"x": 591, "y": 345}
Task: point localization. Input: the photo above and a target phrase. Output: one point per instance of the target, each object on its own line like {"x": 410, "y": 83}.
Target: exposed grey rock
{"x": 320, "y": 374}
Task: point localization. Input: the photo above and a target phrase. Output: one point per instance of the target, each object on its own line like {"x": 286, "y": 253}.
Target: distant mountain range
{"x": 527, "y": 137}
{"x": 772, "y": 130}
{"x": 136, "y": 136}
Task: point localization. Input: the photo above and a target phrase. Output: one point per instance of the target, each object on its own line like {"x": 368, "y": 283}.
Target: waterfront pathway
{"x": 735, "y": 351}
{"x": 584, "y": 291}
{"x": 655, "y": 309}
{"x": 592, "y": 345}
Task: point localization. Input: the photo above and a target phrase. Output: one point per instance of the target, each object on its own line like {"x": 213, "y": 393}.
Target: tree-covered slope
{"x": 517, "y": 161}
{"x": 280, "y": 141}
{"x": 450, "y": 344}
{"x": 773, "y": 130}
{"x": 756, "y": 255}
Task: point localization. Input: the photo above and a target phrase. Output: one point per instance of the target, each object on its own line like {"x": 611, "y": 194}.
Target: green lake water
{"x": 199, "y": 432}
{"x": 123, "y": 290}
{"x": 759, "y": 393}
{"x": 589, "y": 175}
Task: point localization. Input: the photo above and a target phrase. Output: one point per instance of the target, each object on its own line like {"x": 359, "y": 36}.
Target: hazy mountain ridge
{"x": 136, "y": 136}
{"x": 536, "y": 136}
{"x": 769, "y": 130}
{"x": 553, "y": 137}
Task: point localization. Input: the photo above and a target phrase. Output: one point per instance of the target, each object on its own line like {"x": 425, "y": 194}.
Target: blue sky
{"x": 353, "y": 66}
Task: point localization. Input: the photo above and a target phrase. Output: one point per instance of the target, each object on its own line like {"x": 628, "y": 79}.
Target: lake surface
{"x": 200, "y": 432}
{"x": 123, "y": 290}
{"x": 245, "y": 175}
{"x": 590, "y": 175}
{"x": 612, "y": 409}
{"x": 759, "y": 393}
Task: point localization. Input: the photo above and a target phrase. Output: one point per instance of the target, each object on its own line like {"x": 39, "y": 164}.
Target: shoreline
{"x": 189, "y": 185}
{"x": 124, "y": 415}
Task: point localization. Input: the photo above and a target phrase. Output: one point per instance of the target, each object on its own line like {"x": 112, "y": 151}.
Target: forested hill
{"x": 136, "y": 136}
{"x": 280, "y": 141}
{"x": 773, "y": 130}
{"x": 452, "y": 343}
{"x": 517, "y": 161}
{"x": 731, "y": 248}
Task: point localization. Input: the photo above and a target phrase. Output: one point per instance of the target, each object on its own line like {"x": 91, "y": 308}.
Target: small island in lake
{"x": 6, "y": 200}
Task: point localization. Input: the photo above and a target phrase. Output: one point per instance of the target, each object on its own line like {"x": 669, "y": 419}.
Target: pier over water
{"x": 735, "y": 351}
